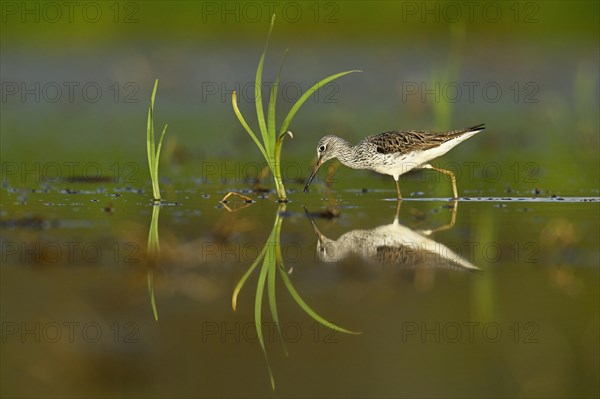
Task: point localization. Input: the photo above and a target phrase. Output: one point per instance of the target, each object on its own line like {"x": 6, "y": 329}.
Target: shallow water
{"x": 81, "y": 319}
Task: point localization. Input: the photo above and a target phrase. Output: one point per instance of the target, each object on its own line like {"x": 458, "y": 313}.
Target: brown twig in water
{"x": 246, "y": 199}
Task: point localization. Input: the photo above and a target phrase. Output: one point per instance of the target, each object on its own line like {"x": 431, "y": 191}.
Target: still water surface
{"x": 502, "y": 302}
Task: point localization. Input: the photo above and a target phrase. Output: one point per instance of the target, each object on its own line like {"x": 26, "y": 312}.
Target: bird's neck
{"x": 345, "y": 153}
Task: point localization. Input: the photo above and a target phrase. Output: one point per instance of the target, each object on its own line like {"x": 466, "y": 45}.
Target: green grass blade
{"x": 153, "y": 241}
{"x": 156, "y": 188}
{"x": 153, "y": 248}
{"x": 260, "y": 286}
{"x": 259, "y": 107}
{"x": 308, "y": 309}
{"x": 273, "y": 100}
{"x": 150, "y": 276}
{"x": 242, "y": 281}
{"x": 273, "y": 299}
{"x": 305, "y": 96}
{"x": 150, "y": 145}
{"x": 268, "y": 141}
{"x": 245, "y": 125}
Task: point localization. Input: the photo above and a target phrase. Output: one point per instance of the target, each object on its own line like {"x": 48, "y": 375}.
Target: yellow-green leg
{"x": 398, "y": 205}
{"x": 452, "y": 219}
{"x": 448, "y": 173}
{"x": 398, "y": 189}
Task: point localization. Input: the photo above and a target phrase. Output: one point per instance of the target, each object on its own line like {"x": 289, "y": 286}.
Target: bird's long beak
{"x": 313, "y": 224}
{"x": 314, "y": 173}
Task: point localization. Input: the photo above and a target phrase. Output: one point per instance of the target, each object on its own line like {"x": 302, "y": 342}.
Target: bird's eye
{"x": 322, "y": 148}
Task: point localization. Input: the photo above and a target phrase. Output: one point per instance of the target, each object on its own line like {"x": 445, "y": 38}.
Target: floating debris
{"x": 328, "y": 213}
{"x": 258, "y": 189}
{"x": 90, "y": 179}
{"x": 28, "y": 222}
{"x": 417, "y": 214}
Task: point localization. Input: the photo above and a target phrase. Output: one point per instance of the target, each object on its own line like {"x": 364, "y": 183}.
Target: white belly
{"x": 398, "y": 164}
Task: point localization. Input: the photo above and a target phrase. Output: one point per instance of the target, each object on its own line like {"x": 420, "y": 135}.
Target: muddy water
{"x": 504, "y": 301}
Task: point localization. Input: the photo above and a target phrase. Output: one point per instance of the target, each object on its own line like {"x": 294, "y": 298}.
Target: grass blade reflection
{"x": 272, "y": 263}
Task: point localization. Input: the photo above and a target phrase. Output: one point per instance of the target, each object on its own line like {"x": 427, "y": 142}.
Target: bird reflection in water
{"x": 393, "y": 244}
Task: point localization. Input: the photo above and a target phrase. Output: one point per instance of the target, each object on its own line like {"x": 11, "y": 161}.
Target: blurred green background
{"x": 529, "y": 70}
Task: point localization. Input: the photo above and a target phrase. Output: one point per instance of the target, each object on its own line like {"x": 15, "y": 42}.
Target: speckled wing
{"x": 391, "y": 255}
{"x": 405, "y": 141}
{"x": 409, "y": 257}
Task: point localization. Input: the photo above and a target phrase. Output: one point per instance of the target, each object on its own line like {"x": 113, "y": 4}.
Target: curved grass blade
{"x": 268, "y": 141}
{"x": 153, "y": 241}
{"x": 282, "y": 136}
{"x": 150, "y": 277}
{"x": 305, "y": 96}
{"x": 308, "y": 309}
{"x": 242, "y": 281}
{"x": 153, "y": 248}
{"x": 156, "y": 162}
{"x": 245, "y": 125}
{"x": 273, "y": 299}
{"x": 150, "y": 144}
{"x": 278, "y": 262}
{"x": 273, "y": 100}
{"x": 258, "y": 316}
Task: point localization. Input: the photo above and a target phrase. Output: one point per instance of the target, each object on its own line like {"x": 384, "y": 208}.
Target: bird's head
{"x": 326, "y": 149}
